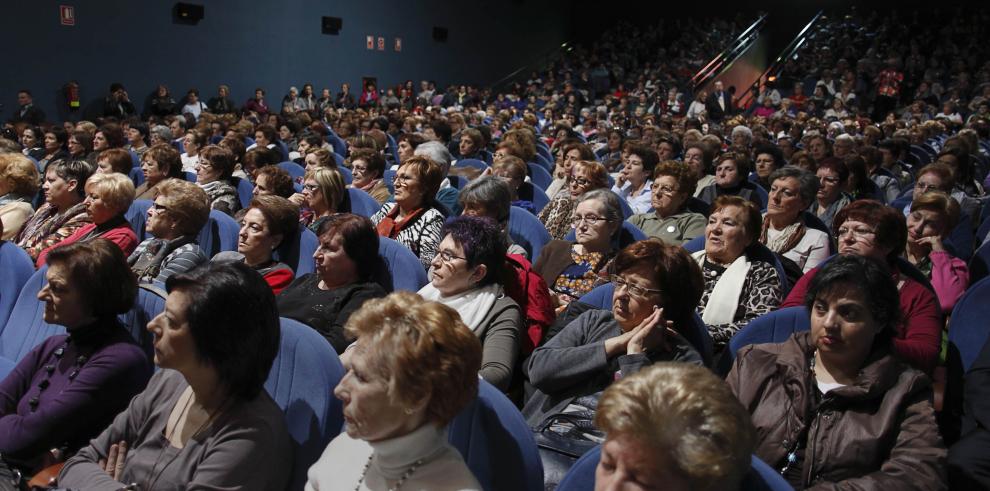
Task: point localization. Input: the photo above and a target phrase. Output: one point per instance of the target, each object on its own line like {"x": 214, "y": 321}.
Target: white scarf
{"x": 724, "y": 300}
{"x": 473, "y": 305}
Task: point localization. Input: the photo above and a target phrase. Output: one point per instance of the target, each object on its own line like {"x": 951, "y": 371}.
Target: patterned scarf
{"x": 788, "y": 238}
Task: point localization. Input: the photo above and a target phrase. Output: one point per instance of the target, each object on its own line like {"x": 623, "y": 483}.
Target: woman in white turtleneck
{"x": 395, "y": 418}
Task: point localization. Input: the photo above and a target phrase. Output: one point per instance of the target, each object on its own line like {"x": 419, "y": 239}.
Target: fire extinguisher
{"x": 71, "y": 91}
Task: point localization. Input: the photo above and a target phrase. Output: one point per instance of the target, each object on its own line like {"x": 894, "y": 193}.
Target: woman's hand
{"x": 114, "y": 465}
{"x": 559, "y": 172}
{"x": 650, "y": 333}
{"x": 933, "y": 241}
{"x": 298, "y": 199}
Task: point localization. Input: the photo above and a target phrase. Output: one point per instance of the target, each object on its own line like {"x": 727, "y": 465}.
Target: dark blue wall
{"x": 267, "y": 43}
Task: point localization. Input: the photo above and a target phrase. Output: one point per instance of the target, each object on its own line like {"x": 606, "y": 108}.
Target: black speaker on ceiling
{"x": 440, "y": 34}
{"x": 187, "y": 13}
{"x": 332, "y": 25}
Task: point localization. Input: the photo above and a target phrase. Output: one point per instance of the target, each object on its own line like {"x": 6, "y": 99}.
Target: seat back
{"x": 245, "y": 190}
{"x": 962, "y": 239}
{"x": 697, "y": 334}
{"x": 149, "y": 303}
{"x": 545, "y": 161}
{"x": 16, "y": 268}
{"x": 345, "y": 173}
{"x": 295, "y": 170}
{"x": 968, "y": 326}
{"x": 362, "y": 203}
{"x": 773, "y": 327}
{"x": 404, "y": 268}
{"x": 219, "y": 234}
{"x": 979, "y": 265}
{"x": 496, "y": 443}
{"x": 540, "y": 199}
{"x": 190, "y": 176}
{"x": 137, "y": 177}
{"x": 539, "y": 176}
{"x": 301, "y": 382}
{"x": 527, "y": 231}
{"x": 26, "y": 326}
{"x": 473, "y": 163}
{"x": 298, "y": 252}
{"x": 137, "y": 216}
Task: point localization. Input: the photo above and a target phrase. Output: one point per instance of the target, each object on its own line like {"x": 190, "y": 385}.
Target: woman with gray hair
{"x": 573, "y": 268}
{"x": 438, "y": 153}
{"x": 489, "y": 196}
{"x": 793, "y": 190}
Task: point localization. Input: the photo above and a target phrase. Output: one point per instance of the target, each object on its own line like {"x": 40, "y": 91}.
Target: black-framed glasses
{"x": 447, "y": 257}
{"x": 589, "y": 219}
{"x": 580, "y": 181}
{"x": 634, "y": 290}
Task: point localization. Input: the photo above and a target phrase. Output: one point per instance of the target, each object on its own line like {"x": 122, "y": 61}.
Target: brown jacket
{"x": 877, "y": 434}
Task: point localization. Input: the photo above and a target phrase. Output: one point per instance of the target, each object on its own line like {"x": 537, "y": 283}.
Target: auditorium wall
{"x": 265, "y": 43}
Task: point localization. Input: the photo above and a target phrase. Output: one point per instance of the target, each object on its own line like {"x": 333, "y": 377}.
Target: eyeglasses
{"x": 589, "y": 219}
{"x": 447, "y": 257}
{"x": 857, "y": 233}
{"x": 580, "y": 181}
{"x": 310, "y": 187}
{"x": 404, "y": 178}
{"x": 668, "y": 190}
{"x": 924, "y": 188}
{"x": 634, "y": 290}
{"x": 828, "y": 180}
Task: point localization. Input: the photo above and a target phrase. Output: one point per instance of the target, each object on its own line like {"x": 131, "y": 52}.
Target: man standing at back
{"x": 27, "y": 112}
{"x": 719, "y": 103}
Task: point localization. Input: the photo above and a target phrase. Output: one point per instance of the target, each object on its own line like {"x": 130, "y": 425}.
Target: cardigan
{"x": 950, "y": 278}
{"x": 555, "y": 257}
{"x": 13, "y": 216}
{"x": 760, "y": 294}
{"x": 246, "y": 447}
{"x": 422, "y": 236}
{"x": 326, "y": 311}
{"x": 119, "y": 232}
{"x": 677, "y": 229}
{"x": 79, "y": 400}
{"x": 349, "y": 462}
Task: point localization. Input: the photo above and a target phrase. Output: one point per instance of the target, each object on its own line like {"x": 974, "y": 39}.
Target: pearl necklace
{"x": 398, "y": 484}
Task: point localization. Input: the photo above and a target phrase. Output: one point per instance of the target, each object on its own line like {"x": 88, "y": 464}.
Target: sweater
{"x": 348, "y": 462}
{"x": 13, "y": 216}
{"x": 79, "y": 400}
{"x": 246, "y": 447}
{"x": 117, "y": 230}
{"x": 919, "y": 337}
{"x": 422, "y": 237}
{"x": 326, "y": 311}
{"x": 676, "y": 229}
{"x": 181, "y": 259}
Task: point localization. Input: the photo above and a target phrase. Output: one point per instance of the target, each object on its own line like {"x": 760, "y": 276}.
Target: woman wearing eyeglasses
{"x": 738, "y": 288}
{"x": 572, "y": 269}
{"x": 830, "y": 198}
{"x": 670, "y": 220}
{"x": 585, "y": 176}
{"x": 464, "y": 276}
{"x": 656, "y": 288}
{"x": 933, "y": 216}
{"x": 869, "y": 228}
{"x": 413, "y": 219}
{"x": 213, "y": 173}
{"x": 323, "y": 195}
{"x": 180, "y": 210}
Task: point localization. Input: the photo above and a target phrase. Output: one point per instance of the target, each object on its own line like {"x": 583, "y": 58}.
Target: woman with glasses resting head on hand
{"x": 95, "y": 368}
{"x": 347, "y": 270}
{"x": 181, "y": 209}
{"x": 214, "y": 171}
{"x": 396, "y": 418}
{"x": 670, "y": 220}
{"x": 205, "y": 420}
{"x": 835, "y": 407}
{"x": 870, "y": 229}
{"x": 464, "y": 276}
{"x": 585, "y": 176}
{"x": 414, "y": 219}
{"x": 656, "y": 288}
{"x": 738, "y": 288}
{"x": 572, "y": 269}
{"x": 673, "y": 426}
{"x": 933, "y": 216}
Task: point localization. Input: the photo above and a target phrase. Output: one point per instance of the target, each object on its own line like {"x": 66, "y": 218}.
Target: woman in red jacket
{"x": 871, "y": 229}
{"x": 108, "y": 196}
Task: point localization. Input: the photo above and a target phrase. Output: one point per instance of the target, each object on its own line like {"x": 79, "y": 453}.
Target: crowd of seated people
{"x": 657, "y": 229}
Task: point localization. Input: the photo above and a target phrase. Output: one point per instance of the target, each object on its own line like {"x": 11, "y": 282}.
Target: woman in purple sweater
{"x": 70, "y": 387}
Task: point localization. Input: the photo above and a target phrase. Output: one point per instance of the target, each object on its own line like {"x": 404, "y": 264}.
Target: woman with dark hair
{"x": 192, "y": 143}
{"x": 114, "y": 160}
{"x": 32, "y": 141}
{"x": 347, "y": 270}
{"x": 206, "y": 414}
{"x": 870, "y": 229}
{"x": 768, "y": 159}
{"x": 80, "y": 146}
{"x": 570, "y": 154}
{"x": 613, "y": 146}
{"x": 63, "y": 212}
{"x": 159, "y": 163}
{"x": 55, "y": 140}
{"x": 137, "y": 138}
{"x": 831, "y": 197}
{"x": 860, "y": 186}
{"x": 656, "y": 288}
{"x": 268, "y": 222}
{"x": 843, "y": 378}
{"x": 406, "y": 146}
{"x": 413, "y": 219}
{"x": 670, "y": 220}
{"x": 464, "y": 275}
{"x": 586, "y": 175}
{"x": 69, "y": 387}
{"x": 636, "y": 178}
{"x": 273, "y": 180}
{"x": 367, "y": 168}
{"x": 966, "y": 189}
{"x": 213, "y": 173}
{"x": 730, "y": 179}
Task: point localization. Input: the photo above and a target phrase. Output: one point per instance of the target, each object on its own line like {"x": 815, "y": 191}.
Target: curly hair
{"x": 681, "y": 172}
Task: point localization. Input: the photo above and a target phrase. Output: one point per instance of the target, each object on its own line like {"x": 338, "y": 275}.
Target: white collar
{"x": 393, "y": 457}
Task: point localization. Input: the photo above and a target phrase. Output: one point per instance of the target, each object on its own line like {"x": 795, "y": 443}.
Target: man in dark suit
{"x": 26, "y": 111}
{"x": 719, "y": 103}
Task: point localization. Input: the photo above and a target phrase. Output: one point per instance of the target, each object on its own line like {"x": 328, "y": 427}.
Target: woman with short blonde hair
{"x": 18, "y": 186}
{"x": 396, "y": 417}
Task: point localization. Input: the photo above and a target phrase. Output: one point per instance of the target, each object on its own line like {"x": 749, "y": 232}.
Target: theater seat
{"x": 761, "y": 477}
{"x": 298, "y": 252}
{"x": 26, "y": 326}
{"x": 540, "y": 199}
{"x": 773, "y": 327}
{"x": 245, "y": 190}
{"x": 968, "y": 326}
{"x": 362, "y": 203}
{"x": 137, "y": 215}
{"x": 539, "y": 176}
{"x": 301, "y": 382}
{"x": 527, "y": 231}
{"x": 137, "y": 177}
{"x": 295, "y": 170}
{"x": 979, "y": 265}
{"x": 496, "y": 443}
{"x": 16, "y": 268}
{"x": 149, "y": 303}
{"x": 219, "y": 234}
{"x": 405, "y": 270}
{"x": 601, "y": 298}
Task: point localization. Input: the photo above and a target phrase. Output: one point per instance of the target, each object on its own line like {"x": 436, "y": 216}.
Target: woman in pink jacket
{"x": 933, "y": 216}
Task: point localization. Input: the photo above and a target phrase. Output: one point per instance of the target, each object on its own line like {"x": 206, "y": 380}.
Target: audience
{"x": 18, "y": 187}
{"x": 413, "y": 218}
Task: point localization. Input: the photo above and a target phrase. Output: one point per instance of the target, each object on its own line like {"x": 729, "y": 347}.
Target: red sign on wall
{"x": 371, "y": 42}
{"x": 381, "y": 43}
{"x": 398, "y": 44}
{"x": 67, "y": 15}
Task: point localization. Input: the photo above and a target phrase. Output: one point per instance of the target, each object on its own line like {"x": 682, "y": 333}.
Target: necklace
{"x": 398, "y": 484}
{"x": 50, "y": 369}
{"x": 152, "y": 478}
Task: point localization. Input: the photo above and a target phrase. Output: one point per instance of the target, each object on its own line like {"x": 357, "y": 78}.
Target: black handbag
{"x": 559, "y": 452}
